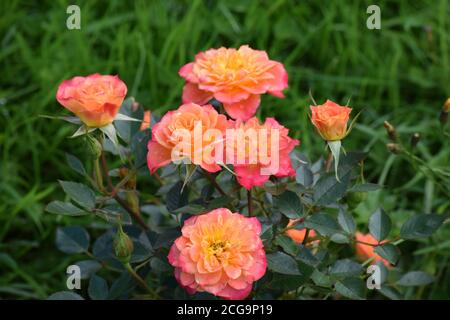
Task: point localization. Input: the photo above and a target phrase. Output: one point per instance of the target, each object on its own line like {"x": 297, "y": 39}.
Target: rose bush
{"x": 216, "y": 224}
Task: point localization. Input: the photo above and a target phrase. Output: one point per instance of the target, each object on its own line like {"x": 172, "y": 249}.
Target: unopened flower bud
{"x": 415, "y": 139}
{"x": 133, "y": 201}
{"x": 123, "y": 246}
{"x": 392, "y": 133}
{"x": 394, "y": 148}
{"x": 94, "y": 146}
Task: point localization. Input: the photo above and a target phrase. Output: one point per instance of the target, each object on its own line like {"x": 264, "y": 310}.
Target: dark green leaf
{"x": 352, "y": 288}
{"x": 98, "y": 288}
{"x": 88, "y": 267}
{"x": 65, "y": 209}
{"x": 280, "y": 262}
{"x": 345, "y": 268}
{"x": 390, "y": 293}
{"x": 304, "y": 176}
{"x": 75, "y": 164}
{"x": 421, "y": 226}
{"x": 122, "y": 287}
{"x": 127, "y": 129}
{"x": 379, "y": 224}
{"x": 219, "y": 202}
{"x": 415, "y": 278}
{"x": 191, "y": 209}
{"x": 388, "y": 251}
{"x": 325, "y": 224}
{"x": 80, "y": 193}
{"x": 139, "y": 148}
{"x": 346, "y": 221}
{"x": 321, "y": 279}
{"x": 328, "y": 190}
{"x": 288, "y": 203}
{"x": 175, "y": 199}
{"x": 72, "y": 239}
{"x": 65, "y": 295}
{"x": 288, "y": 245}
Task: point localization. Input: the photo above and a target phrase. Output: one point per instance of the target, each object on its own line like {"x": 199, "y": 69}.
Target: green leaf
{"x": 345, "y": 268}
{"x": 325, "y": 224}
{"x": 365, "y": 187}
{"x": 176, "y": 199}
{"x": 335, "y": 148}
{"x": 192, "y": 208}
{"x": 127, "y": 120}
{"x": 320, "y": 279}
{"x": 352, "y": 288}
{"x": 88, "y": 267}
{"x": 421, "y": 226}
{"x": 65, "y": 209}
{"x": 98, "y": 288}
{"x": 80, "y": 193}
{"x": 304, "y": 176}
{"x": 415, "y": 278}
{"x": 388, "y": 251}
{"x": 379, "y": 224}
{"x": 72, "y": 239}
{"x": 288, "y": 245}
{"x": 219, "y": 202}
{"x": 75, "y": 164}
{"x": 328, "y": 190}
{"x": 122, "y": 286}
{"x": 346, "y": 221}
{"x": 280, "y": 262}
{"x": 139, "y": 148}
{"x": 289, "y": 204}
{"x": 65, "y": 295}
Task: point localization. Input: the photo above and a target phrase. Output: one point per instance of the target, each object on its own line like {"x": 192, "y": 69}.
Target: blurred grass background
{"x": 399, "y": 73}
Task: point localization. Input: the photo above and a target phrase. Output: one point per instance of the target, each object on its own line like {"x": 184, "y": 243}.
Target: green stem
{"x": 98, "y": 175}
{"x": 138, "y": 278}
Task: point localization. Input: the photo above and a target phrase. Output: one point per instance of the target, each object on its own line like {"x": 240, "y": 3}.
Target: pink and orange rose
{"x": 258, "y": 151}
{"x": 219, "y": 252}
{"x": 175, "y": 137}
{"x": 330, "y": 120}
{"x": 95, "y": 99}
{"x": 236, "y": 78}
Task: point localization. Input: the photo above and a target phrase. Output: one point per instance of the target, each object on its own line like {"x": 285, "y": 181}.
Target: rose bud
{"x": 94, "y": 99}
{"x": 123, "y": 246}
{"x": 330, "y": 120}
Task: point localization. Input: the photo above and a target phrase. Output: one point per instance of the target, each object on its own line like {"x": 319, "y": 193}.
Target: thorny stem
{"x": 305, "y": 239}
{"x": 250, "y": 203}
{"x": 120, "y": 201}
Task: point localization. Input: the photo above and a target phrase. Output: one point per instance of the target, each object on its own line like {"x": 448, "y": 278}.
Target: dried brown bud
{"x": 390, "y": 129}
{"x": 394, "y": 148}
{"x": 131, "y": 182}
{"x": 443, "y": 117}
{"x": 446, "y": 107}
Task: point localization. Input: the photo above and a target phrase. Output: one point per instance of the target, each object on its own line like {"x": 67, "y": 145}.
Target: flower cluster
{"x": 219, "y": 252}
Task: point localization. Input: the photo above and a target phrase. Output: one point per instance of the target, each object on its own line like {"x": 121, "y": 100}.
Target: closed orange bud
{"x": 330, "y": 120}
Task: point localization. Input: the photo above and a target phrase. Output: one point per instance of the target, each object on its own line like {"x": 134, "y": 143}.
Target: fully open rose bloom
{"x": 364, "y": 251}
{"x": 236, "y": 78}
{"x": 298, "y": 235}
{"x": 255, "y": 159}
{"x": 330, "y": 119}
{"x": 170, "y": 133}
{"x": 94, "y": 99}
{"x": 219, "y": 252}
